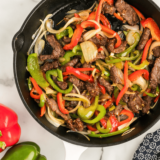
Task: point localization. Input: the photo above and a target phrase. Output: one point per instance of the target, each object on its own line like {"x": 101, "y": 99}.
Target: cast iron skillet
{"x": 22, "y": 41}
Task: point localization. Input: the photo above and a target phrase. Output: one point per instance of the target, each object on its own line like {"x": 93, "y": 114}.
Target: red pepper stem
{"x": 2, "y": 145}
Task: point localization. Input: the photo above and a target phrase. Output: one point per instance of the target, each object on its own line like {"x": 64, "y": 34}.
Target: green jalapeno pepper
{"x": 93, "y": 134}
{"x": 52, "y": 83}
{"x": 87, "y": 113}
{"x": 143, "y": 65}
{"x": 35, "y": 71}
{"x": 102, "y": 112}
{"x": 130, "y": 49}
{"x": 107, "y": 130}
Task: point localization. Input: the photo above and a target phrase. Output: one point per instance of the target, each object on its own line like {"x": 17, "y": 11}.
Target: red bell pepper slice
{"x": 127, "y": 113}
{"x": 34, "y": 96}
{"x": 76, "y": 15}
{"x": 87, "y": 69}
{"x": 110, "y": 2}
{"x": 156, "y": 99}
{"x": 43, "y": 111}
{"x": 125, "y": 88}
{"x": 152, "y": 25}
{"x": 118, "y": 16}
{"x": 61, "y": 104}
{"x": 75, "y": 39}
{"x": 146, "y": 49}
{"x": 103, "y": 89}
{"x": 138, "y": 13}
{"x": 65, "y": 78}
{"x": 91, "y": 128}
{"x": 100, "y": 49}
{"x": 103, "y": 121}
{"x": 148, "y": 91}
{"x": 114, "y": 123}
{"x": 10, "y": 130}
{"x": 37, "y": 88}
{"x": 135, "y": 75}
{"x": 109, "y": 102}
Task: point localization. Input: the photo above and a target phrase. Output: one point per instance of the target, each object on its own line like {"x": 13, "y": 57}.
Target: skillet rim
{"x": 28, "y": 109}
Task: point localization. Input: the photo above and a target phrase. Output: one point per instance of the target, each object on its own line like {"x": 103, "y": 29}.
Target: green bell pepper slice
{"x": 42, "y": 100}
{"x": 134, "y": 87}
{"x": 107, "y": 130}
{"x": 35, "y": 71}
{"x": 52, "y": 83}
{"x": 152, "y": 94}
{"x": 102, "y": 112}
{"x": 87, "y": 113}
{"x": 93, "y": 134}
{"x": 67, "y": 57}
{"x": 60, "y": 75}
{"x": 24, "y": 151}
{"x": 130, "y": 49}
{"x": 67, "y": 31}
{"x": 76, "y": 49}
{"x": 143, "y": 65}
{"x": 138, "y": 59}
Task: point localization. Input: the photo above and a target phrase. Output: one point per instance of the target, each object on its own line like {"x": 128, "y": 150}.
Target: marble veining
{"x": 12, "y": 15}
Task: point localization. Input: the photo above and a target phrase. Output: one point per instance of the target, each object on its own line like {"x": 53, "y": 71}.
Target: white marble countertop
{"x": 12, "y": 15}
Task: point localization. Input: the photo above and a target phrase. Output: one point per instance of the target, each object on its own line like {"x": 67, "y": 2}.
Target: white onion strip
{"x": 154, "y": 44}
{"x": 132, "y": 28}
{"x": 49, "y": 23}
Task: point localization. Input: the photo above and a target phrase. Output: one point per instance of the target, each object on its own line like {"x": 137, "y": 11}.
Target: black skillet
{"x": 21, "y": 42}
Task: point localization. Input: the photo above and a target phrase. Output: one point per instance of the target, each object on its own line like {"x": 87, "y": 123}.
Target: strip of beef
{"x": 78, "y": 83}
{"x": 148, "y": 101}
{"x": 45, "y": 57}
{"x": 135, "y": 102}
{"x": 86, "y": 65}
{"x": 123, "y": 117}
{"x": 110, "y": 9}
{"x": 78, "y": 65}
{"x": 49, "y": 65}
{"x": 144, "y": 38}
{"x": 66, "y": 40}
{"x": 93, "y": 89}
{"x": 106, "y": 84}
{"x": 75, "y": 125}
{"x": 99, "y": 42}
{"x": 127, "y": 12}
{"x": 54, "y": 107}
{"x": 155, "y": 74}
{"x": 99, "y": 56}
{"x": 62, "y": 85}
{"x": 116, "y": 75}
{"x": 156, "y": 51}
{"x": 118, "y": 109}
{"x": 125, "y": 97}
{"x": 111, "y": 44}
{"x": 72, "y": 63}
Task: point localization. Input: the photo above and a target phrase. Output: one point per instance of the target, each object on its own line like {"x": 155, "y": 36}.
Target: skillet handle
{"x": 73, "y": 151}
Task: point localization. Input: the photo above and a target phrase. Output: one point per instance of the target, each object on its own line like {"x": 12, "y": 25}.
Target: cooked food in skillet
{"x": 90, "y": 78}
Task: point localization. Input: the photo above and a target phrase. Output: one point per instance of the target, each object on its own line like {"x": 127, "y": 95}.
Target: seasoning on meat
{"x": 93, "y": 89}
{"x": 111, "y": 44}
{"x": 116, "y": 75}
{"x": 75, "y": 125}
{"x": 155, "y": 74}
{"x": 110, "y": 9}
{"x": 156, "y": 51}
{"x": 106, "y": 84}
{"x": 144, "y": 38}
{"x": 127, "y": 12}
{"x": 102, "y": 41}
{"x": 49, "y": 65}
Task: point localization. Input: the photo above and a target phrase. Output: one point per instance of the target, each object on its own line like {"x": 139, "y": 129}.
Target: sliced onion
{"x": 72, "y": 11}
{"x": 132, "y": 28}
{"x": 94, "y": 72}
{"x": 79, "y": 96}
{"x": 84, "y": 14}
{"x": 141, "y": 29}
{"x": 105, "y": 34}
{"x": 79, "y": 103}
{"x": 154, "y": 44}
{"x": 90, "y": 34}
{"x": 56, "y": 122}
{"x": 49, "y": 24}
{"x": 40, "y": 44}
{"x": 50, "y": 91}
{"x": 89, "y": 50}
{"x": 130, "y": 38}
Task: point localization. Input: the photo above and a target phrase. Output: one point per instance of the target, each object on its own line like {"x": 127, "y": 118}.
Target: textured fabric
{"x": 149, "y": 149}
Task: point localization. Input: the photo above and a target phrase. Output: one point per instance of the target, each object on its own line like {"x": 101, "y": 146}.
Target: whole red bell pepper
{"x": 75, "y": 39}
{"x": 146, "y": 49}
{"x": 114, "y": 123}
{"x": 61, "y": 104}
{"x": 10, "y": 130}
{"x": 125, "y": 88}
{"x": 127, "y": 113}
{"x": 135, "y": 75}
{"x": 103, "y": 89}
{"x": 103, "y": 121}
{"x": 139, "y": 13}
{"x": 152, "y": 25}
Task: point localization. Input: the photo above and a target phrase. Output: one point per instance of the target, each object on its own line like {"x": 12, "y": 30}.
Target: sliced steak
{"x": 111, "y": 44}
{"x": 54, "y": 107}
{"x": 106, "y": 84}
{"x": 99, "y": 56}
{"x": 148, "y": 101}
{"x": 86, "y": 65}
{"x": 123, "y": 117}
{"x": 99, "y": 42}
{"x": 61, "y": 85}
{"x": 156, "y": 51}
{"x": 93, "y": 89}
{"x": 155, "y": 74}
{"x": 127, "y": 12}
{"x": 110, "y": 9}
{"x": 45, "y": 57}
{"x": 75, "y": 125}
{"x": 144, "y": 38}
{"x": 66, "y": 40}
{"x": 72, "y": 63}
{"x": 118, "y": 109}
{"x": 116, "y": 75}
{"x": 49, "y": 65}
{"x": 135, "y": 103}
